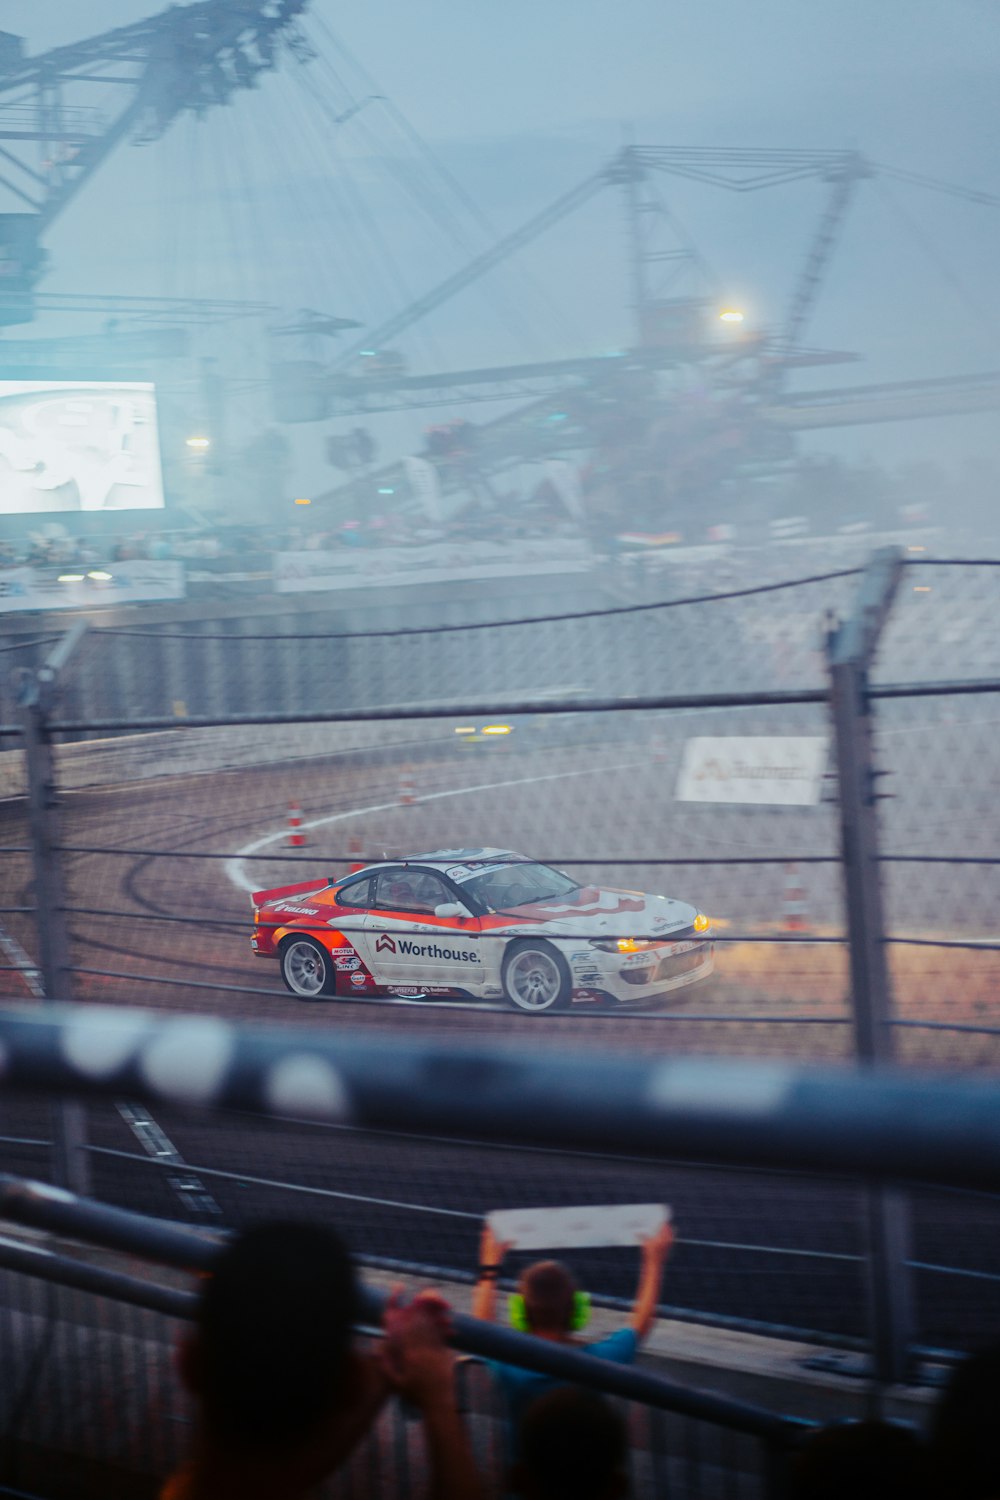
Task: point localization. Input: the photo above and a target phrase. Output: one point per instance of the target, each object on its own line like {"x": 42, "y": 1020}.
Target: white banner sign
{"x": 425, "y": 481}
{"x": 438, "y": 562}
{"x": 762, "y": 769}
{"x": 74, "y": 588}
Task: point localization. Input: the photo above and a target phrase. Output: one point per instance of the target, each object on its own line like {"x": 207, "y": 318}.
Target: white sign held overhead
{"x": 782, "y": 771}
{"x": 575, "y": 1228}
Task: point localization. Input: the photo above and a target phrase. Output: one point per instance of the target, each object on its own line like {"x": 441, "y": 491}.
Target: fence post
{"x": 37, "y": 691}
{"x": 850, "y": 649}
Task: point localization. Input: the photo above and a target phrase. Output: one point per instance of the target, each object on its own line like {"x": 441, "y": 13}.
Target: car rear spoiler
{"x": 259, "y": 898}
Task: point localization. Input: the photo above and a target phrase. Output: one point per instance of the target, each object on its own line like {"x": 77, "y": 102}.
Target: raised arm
{"x": 422, "y": 1368}
{"x": 491, "y": 1254}
{"x": 654, "y": 1253}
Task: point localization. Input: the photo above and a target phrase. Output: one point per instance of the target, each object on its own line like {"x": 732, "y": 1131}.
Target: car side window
{"x": 411, "y": 890}
{"x": 356, "y": 894}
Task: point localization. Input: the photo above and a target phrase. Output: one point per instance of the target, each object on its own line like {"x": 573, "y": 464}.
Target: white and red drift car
{"x": 481, "y": 924}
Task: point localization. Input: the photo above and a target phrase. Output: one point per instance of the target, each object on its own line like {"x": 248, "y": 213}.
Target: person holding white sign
{"x": 550, "y": 1305}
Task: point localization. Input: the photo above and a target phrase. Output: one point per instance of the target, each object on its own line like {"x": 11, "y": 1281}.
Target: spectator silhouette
{"x": 965, "y": 1447}
{"x": 282, "y": 1393}
{"x": 572, "y": 1446}
{"x": 861, "y": 1461}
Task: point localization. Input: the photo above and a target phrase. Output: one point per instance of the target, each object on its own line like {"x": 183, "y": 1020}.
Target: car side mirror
{"x": 452, "y": 909}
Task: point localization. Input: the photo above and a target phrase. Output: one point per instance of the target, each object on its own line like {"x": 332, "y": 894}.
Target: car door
{"x": 409, "y": 945}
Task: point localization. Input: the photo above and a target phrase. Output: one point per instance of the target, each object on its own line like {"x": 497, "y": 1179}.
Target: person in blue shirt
{"x": 552, "y": 1307}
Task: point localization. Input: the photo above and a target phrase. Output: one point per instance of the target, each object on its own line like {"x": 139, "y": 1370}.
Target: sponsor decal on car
{"x": 346, "y": 964}
{"x": 409, "y": 949}
{"x": 359, "y": 979}
{"x": 305, "y": 911}
{"x": 417, "y": 991}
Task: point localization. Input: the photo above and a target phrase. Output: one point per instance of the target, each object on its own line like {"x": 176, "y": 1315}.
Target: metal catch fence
{"x": 192, "y": 766}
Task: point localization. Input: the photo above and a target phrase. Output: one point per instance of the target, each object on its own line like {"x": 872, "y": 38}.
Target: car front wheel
{"x": 306, "y": 968}
{"x": 536, "y": 977}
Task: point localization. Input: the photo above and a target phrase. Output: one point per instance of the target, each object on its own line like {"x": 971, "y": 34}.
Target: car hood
{"x": 594, "y": 912}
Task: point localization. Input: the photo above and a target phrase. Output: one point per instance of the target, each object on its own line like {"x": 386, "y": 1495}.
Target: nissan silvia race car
{"x": 480, "y": 924}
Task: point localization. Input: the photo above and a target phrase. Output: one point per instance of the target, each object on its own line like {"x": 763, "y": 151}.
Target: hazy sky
{"x": 269, "y": 198}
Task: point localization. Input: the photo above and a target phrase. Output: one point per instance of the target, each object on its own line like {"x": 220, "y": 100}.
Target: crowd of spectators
{"x": 284, "y": 1391}
{"x": 57, "y": 549}
{"x": 644, "y": 569}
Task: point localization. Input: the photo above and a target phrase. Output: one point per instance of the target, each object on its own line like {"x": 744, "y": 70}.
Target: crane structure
{"x": 656, "y": 438}
{"x": 674, "y": 413}
{"x": 53, "y": 138}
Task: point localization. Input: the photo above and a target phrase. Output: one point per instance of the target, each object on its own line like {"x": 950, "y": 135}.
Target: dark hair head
{"x": 547, "y": 1288}
{"x": 964, "y": 1429}
{"x": 860, "y": 1460}
{"x": 573, "y": 1446}
{"x": 274, "y": 1325}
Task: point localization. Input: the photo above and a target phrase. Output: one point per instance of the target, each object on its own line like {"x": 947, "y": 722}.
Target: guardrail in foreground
{"x": 875, "y": 1123}
{"x": 57, "y": 1211}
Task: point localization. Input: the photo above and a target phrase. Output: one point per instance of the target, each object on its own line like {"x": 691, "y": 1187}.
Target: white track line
{"x": 237, "y": 875}
{"x": 28, "y": 971}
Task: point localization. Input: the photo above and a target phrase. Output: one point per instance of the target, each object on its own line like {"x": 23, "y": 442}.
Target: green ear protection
{"x": 579, "y": 1318}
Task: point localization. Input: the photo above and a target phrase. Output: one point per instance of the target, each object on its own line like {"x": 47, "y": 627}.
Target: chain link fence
{"x": 181, "y": 752}
{"x": 937, "y": 766}
{"x": 936, "y": 708}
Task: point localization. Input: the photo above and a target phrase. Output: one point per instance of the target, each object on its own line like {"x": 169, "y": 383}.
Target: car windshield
{"x": 502, "y": 886}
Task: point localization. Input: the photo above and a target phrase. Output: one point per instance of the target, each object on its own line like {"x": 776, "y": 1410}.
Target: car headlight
{"x": 619, "y": 945}
{"x": 701, "y": 923}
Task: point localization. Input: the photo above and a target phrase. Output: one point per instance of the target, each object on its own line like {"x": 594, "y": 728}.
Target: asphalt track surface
{"x": 770, "y": 1248}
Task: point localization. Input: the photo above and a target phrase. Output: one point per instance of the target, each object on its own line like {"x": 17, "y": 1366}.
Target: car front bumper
{"x": 640, "y": 976}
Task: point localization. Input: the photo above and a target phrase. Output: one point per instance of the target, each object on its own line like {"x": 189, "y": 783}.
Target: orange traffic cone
{"x": 354, "y": 847}
{"x": 795, "y": 900}
{"x": 296, "y": 837}
{"x": 407, "y": 793}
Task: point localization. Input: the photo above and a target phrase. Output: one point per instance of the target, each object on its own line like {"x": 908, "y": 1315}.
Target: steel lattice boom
{"x": 53, "y": 137}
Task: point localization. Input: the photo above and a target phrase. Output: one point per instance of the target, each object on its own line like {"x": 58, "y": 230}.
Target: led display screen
{"x": 78, "y": 445}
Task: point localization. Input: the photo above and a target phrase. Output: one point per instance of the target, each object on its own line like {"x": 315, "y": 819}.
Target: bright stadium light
{"x": 198, "y": 442}
{"x": 731, "y": 315}
{"x": 100, "y": 576}
{"x": 70, "y": 577}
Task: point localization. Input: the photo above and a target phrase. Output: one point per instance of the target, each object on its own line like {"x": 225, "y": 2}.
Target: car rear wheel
{"x": 536, "y": 978}
{"x": 307, "y": 968}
